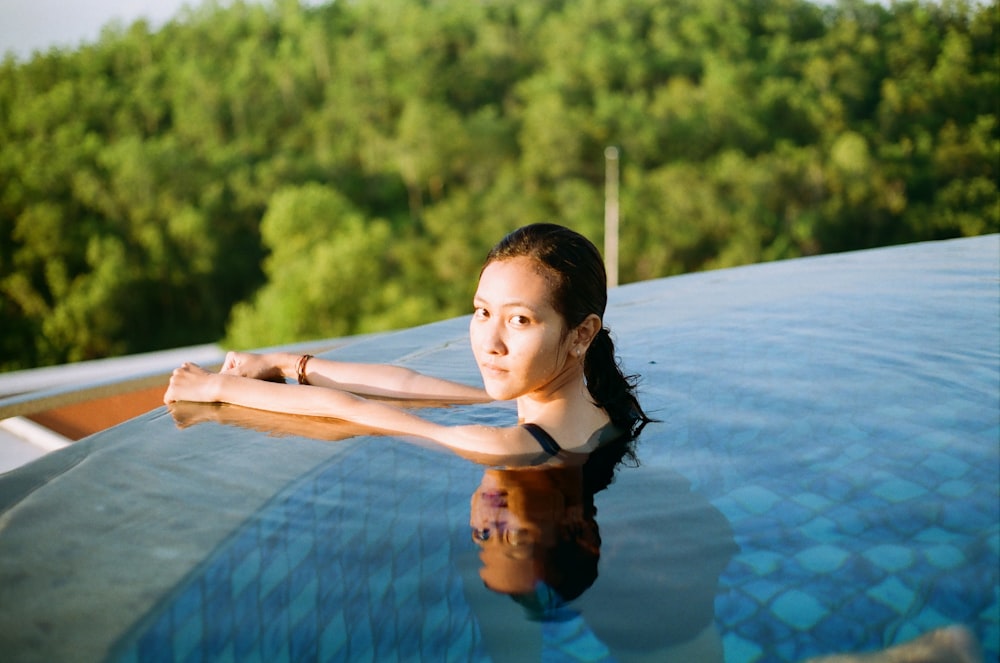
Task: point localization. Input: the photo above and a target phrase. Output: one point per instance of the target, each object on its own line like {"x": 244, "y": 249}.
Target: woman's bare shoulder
{"x": 492, "y": 444}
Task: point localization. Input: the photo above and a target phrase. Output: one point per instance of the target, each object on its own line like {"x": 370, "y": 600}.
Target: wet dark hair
{"x": 580, "y": 288}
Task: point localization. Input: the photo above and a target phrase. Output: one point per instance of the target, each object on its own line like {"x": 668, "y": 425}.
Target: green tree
{"x": 324, "y": 257}
{"x": 153, "y": 185}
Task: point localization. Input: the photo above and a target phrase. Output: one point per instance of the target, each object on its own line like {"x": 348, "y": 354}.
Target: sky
{"x": 30, "y": 25}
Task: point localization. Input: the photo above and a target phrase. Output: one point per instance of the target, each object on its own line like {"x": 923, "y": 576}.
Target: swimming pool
{"x": 825, "y": 477}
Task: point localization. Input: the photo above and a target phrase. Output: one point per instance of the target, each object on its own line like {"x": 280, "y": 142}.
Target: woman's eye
{"x": 519, "y": 320}
{"x": 480, "y": 313}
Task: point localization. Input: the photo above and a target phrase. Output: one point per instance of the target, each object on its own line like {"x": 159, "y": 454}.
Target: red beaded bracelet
{"x": 300, "y": 370}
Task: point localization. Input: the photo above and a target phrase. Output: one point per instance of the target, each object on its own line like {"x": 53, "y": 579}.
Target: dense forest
{"x": 260, "y": 173}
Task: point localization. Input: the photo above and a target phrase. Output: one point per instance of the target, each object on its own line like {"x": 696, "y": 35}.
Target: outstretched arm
{"x": 365, "y": 379}
{"x": 193, "y": 383}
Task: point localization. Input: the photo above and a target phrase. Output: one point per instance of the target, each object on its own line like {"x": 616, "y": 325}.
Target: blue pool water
{"x": 848, "y": 436}
{"x": 824, "y": 477}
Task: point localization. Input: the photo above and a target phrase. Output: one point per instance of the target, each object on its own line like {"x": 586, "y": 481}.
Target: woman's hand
{"x": 249, "y": 365}
{"x": 187, "y": 414}
{"x": 192, "y": 383}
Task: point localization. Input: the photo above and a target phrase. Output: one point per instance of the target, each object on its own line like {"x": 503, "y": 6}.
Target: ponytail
{"x": 610, "y": 388}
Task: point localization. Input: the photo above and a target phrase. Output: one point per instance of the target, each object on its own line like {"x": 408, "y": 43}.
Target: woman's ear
{"x": 586, "y": 332}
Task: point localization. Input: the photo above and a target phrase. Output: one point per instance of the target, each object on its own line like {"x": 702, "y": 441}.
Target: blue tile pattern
{"x": 352, "y": 563}
{"x": 859, "y": 465}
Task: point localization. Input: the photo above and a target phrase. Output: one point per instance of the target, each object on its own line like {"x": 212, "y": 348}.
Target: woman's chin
{"x": 499, "y": 393}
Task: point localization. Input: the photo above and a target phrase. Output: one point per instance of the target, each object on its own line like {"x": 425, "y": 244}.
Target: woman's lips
{"x": 492, "y": 370}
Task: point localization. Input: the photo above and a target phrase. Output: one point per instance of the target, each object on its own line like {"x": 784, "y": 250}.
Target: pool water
{"x": 824, "y": 477}
{"x": 849, "y": 431}
{"x": 363, "y": 560}
{"x": 849, "y": 436}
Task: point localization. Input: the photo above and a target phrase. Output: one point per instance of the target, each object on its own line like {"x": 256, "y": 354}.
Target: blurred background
{"x": 252, "y": 174}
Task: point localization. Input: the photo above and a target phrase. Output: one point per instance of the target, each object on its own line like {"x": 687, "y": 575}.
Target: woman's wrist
{"x": 283, "y": 363}
{"x": 302, "y": 369}
{"x": 292, "y": 366}
{"x": 217, "y": 388}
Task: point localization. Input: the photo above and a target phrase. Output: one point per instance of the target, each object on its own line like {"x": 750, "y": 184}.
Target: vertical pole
{"x": 611, "y": 214}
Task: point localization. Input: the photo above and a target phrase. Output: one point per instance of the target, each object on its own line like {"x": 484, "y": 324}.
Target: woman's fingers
{"x": 245, "y": 365}
{"x": 232, "y": 364}
{"x": 183, "y": 381}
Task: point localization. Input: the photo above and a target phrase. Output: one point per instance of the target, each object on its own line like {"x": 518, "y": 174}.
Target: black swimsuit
{"x": 550, "y": 446}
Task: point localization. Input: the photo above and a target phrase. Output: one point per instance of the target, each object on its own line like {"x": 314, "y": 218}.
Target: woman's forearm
{"x": 322, "y": 402}
{"x": 277, "y": 397}
{"x": 375, "y": 379}
{"x": 474, "y": 440}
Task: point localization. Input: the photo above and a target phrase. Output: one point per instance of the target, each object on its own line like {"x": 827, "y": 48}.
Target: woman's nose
{"x": 491, "y": 339}
{"x": 493, "y": 346}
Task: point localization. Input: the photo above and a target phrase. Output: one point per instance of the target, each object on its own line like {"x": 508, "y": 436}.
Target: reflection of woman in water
{"x": 537, "y": 524}
{"x": 652, "y": 596}
{"x": 538, "y": 538}
{"x": 537, "y": 334}
{"x": 647, "y": 594}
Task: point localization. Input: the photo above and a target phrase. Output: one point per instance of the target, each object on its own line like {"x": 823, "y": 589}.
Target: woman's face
{"x": 491, "y": 517}
{"x": 519, "y": 340}
{"x": 509, "y": 540}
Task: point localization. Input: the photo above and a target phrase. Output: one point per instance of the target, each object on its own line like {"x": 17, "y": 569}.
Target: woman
{"x": 537, "y": 334}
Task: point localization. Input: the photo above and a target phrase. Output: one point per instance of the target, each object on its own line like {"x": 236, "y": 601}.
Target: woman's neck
{"x": 568, "y": 413}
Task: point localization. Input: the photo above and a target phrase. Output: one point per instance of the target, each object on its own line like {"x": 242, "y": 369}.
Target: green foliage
{"x": 269, "y": 173}
{"x": 324, "y": 257}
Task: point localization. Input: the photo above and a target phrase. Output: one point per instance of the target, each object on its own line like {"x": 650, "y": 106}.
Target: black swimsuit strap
{"x": 550, "y": 446}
